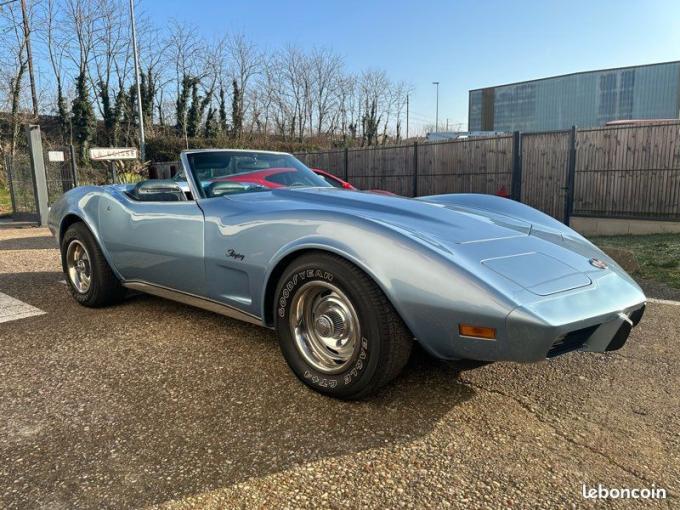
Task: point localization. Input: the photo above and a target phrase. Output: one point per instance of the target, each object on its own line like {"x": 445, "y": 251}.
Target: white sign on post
{"x": 112, "y": 153}
{"x": 55, "y": 156}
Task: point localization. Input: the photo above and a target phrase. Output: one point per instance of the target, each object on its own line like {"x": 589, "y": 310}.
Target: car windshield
{"x": 229, "y": 172}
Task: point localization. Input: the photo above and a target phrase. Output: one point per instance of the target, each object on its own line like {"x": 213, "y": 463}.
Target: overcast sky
{"x": 463, "y": 45}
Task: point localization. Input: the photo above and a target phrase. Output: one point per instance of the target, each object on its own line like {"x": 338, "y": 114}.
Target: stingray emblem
{"x": 600, "y": 264}
{"x": 235, "y": 255}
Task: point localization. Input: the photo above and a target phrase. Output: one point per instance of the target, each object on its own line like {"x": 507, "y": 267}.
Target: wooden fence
{"x": 615, "y": 172}
{"x": 479, "y": 165}
{"x": 628, "y": 172}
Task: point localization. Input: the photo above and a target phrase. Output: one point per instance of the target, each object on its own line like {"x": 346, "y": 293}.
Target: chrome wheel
{"x": 78, "y": 266}
{"x": 325, "y": 327}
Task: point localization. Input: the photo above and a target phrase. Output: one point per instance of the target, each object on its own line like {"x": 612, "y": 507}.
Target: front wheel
{"x": 337, "y": 330}
{"x": 90, "y": 279}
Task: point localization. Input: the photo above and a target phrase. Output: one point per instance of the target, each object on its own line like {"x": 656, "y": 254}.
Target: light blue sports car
{"x": 348, "y": 279}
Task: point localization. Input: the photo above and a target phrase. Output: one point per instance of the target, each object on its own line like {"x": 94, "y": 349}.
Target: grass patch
{"x": 657, "y": 254}
{"x": 5, "y": 201}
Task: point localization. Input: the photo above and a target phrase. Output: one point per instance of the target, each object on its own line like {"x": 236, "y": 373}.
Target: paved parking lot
{"x": 155, "y": 403}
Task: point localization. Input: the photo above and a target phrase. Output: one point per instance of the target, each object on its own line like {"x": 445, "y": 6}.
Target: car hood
{"x": 537, "y": 257}
{"x": 452, "y": 224}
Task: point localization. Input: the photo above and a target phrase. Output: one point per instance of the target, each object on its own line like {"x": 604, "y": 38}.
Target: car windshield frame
{"x": 227, "y": 161}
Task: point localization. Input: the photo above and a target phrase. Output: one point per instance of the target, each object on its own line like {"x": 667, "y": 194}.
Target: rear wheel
{"x": 90, "y": 278}
{"x": 337, "y": 330}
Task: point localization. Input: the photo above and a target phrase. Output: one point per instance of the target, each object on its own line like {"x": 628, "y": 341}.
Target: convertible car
{"x": 349, "y": 280}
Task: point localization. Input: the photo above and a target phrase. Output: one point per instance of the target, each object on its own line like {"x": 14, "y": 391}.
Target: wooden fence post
{"x": 571, "y": 176}
{"x": 415, "y": 169}
{"x": 346, "y": 165}
{"x": 516, "y": 184}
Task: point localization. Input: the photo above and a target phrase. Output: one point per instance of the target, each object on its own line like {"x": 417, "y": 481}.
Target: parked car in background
{"x": 334, "y": 181}
{"x": 281, "y": 177}
{"x": 337, "y": 182}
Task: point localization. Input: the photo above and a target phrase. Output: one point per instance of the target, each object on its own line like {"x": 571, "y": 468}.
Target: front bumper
{"x": 598, "y": 318}
{"x": 599, "y": 337}
{"x": 593, "y": 320}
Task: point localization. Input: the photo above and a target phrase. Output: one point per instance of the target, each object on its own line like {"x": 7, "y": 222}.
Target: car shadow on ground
{"x": 28, "y": 243}
{"x": 151, "y": 400}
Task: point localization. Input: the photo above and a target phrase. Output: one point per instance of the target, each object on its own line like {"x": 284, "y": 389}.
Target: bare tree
{"x": 14, "y": 63}
{"x": 27, "y": 17}
{"x": 275, "y": 94}
{"x": 153, "y": 55}
{"x": 326, "y": 71}
{"x": 266, "y": 99}
{"x": 56, "y": 41}
{"x": 373, "y": 87}
{"x": 402, "y": 91}
{"x": 295, "y": 88}
{"x": 183, "y": 51}
{"x": 186, "y": 80}
{"x": 245, "y": 63}
{"x": 349, "y": 107}
{"x": 110, "y": 60}
{"x": 82, "y": 17}
{"x": 394, "y": 104}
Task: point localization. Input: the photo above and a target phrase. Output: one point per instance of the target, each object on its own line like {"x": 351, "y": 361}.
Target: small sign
{"x": 112, "y": 153}
{"x": 55, "y": 156}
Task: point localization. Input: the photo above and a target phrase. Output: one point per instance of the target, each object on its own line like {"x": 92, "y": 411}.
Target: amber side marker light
{"x": 477, "y": 331}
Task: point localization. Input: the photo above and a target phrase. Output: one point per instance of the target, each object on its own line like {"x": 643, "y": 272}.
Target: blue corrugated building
{"x": 587, "y": 99}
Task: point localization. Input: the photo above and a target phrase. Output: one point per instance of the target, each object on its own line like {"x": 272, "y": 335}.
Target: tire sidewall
{"x": 80, "y": 233}
{"x": 364, "y": 364}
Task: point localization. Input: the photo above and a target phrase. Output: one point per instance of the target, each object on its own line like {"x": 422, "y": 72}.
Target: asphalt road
{"x": 155, "y": 403}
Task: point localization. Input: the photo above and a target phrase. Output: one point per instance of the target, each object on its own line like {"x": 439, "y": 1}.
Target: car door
{"x": 234, "y": 257}
{"x": 160, "y": 243}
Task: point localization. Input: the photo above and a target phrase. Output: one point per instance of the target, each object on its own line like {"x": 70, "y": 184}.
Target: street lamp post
{"x": 140, "y": 113}
{"x": 436, "y": 121}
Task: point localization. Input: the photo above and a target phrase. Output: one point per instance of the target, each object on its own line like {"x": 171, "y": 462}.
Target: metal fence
{"x": 21, "y": 185}
{"x": 60, "y": 171}
{"x": 614, "y": 172}
{"x": 38, "y": 176}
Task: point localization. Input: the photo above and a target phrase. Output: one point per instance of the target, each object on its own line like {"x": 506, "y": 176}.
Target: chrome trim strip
{"x": 192, "y": 300}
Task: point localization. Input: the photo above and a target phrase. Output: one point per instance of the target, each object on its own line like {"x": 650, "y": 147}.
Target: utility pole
{"x": 407, "y": 116}
{"x": 29, "y": 54}
{"x": 436, "y": 121}
{"x": 140, "y": 113}
{"x": 447, "y": 125}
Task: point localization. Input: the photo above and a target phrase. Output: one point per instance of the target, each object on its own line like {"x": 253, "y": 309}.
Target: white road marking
{"x": 12, "y": 309}
{"x": 663, "y": 301}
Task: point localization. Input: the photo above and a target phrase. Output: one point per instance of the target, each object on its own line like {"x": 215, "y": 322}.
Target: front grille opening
{"x": 571, "y": 341}
{"x": 636, "y": 316}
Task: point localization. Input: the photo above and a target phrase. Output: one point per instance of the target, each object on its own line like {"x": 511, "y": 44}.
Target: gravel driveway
{"x": 153, "y": 403}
